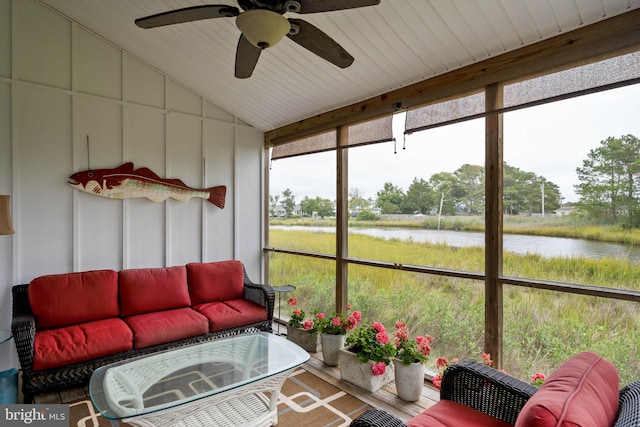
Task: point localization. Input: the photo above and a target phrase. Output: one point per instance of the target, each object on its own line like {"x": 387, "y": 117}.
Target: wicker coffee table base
{"x": 243, "y": 406}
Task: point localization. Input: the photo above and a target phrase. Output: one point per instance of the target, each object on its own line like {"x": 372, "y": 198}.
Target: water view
{"x": 548, "y": 247}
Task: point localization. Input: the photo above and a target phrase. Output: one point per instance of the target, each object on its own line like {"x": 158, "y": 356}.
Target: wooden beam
{"x": 342, "y": 222}
{"x": 617, "y": 34}
{"x": 493, "y": 323}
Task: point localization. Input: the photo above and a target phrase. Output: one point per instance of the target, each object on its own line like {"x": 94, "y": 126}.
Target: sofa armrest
{"x": 486, "y": 390}
{"x": 260, "y": 294}
{"x": 377, "y": 418}
{"x": 23, "y": 326}
{"x": 629, "y": 409}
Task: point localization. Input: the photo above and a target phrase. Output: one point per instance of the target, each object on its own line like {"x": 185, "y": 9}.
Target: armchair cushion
{"x": 583, "y": 391}
{"x": 446, "y": 413}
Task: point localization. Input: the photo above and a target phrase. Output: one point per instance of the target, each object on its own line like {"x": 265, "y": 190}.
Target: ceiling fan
{"x": 263, "y": 24}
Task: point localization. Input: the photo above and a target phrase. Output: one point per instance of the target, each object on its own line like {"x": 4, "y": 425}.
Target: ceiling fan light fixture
{"x": 263, "y": 28}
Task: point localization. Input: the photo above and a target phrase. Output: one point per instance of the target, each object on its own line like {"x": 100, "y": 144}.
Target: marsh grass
{"x": 542, "y": 328}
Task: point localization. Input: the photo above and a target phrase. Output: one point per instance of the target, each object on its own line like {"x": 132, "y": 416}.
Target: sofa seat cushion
{"x": 165, "y": 326}
{"x": 69, "y": 299}
{"x": 146, "y": 290}
{"x": 446, "y": 413}
{"x": 583, "y": 391}
{"x": 78, "y": 343}
{"x": 215, "y": 281}
{"x": 232, "y": 314}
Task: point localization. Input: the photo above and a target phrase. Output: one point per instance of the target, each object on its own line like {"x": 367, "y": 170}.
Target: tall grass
{"x": 541, "y": 328}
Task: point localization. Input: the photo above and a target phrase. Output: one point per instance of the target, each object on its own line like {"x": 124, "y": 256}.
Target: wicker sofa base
{"x": 78, "y": 374}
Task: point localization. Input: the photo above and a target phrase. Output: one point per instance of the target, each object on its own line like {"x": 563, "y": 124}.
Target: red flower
{"x": 308, "y": 325}
{"x": 437, "y": 381}
{"x": 441, "y": 362}
{"x": 379, "y": 327}
{"x": 336, "y": 321}
{"x": 382, "y": 337}
{"x": 320, "y": 316}
{"x": 486, "y": 359}
{"x": 292, "y": 301}
{"x": 297, "y": 312}
{"x": 378, "y": 368}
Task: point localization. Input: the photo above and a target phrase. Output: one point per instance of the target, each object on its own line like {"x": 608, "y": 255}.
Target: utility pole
{"x": 542, "y": 187}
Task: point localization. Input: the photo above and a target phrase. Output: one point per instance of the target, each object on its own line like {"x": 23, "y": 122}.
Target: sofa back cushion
{"x": 145, "y": 290}
{"x": 581, "y": 392}
{"x": 215, "y": 281}
{"x": 68, "y": 299}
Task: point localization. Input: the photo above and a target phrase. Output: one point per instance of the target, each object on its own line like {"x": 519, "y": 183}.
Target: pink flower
{"x": 455, "y": 360}
{"x": 356, "y": 315}
{"x": 379, "y": 327}
{"x": 402, "y": 334}
{"x": 351, "y": 323}
{"x": 378, "y": 368}
{"x": 292, "y": 301}
{"x": 538, "y": 376}
{"x": 486, "y": 359}
{"x": 320, "y": 316}
{"x": 441, "y": 362}
{"x": 437, "y": 381}
{"x": 382, "y": 338}
{"x": 336, "y": 321}
{"x": 400, "y": 325}
{"x": 348, "y": 306}
{"x": 307, "y": 325}
{"x": 297, "y": 312}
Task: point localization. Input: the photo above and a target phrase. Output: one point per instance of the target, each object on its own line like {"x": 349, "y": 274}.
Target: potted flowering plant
{"x": 332, "y": 332}
{"x": 442, "y": 363}
{"x": 301, "y": 331}
{"x": 409, "y": 362}
{"x": 411, "y": 351}
{"x": 366, "y": 362}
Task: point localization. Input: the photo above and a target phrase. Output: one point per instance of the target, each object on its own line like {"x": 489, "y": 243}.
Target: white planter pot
{"x": 331, "y": 345}
{"x": 359, "y": 373}
{"x": 310, "y": 341}
{"x": 409, "y": 380}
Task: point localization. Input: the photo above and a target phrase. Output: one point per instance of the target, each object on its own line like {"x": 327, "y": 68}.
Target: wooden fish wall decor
{"x": 124, "y": 182}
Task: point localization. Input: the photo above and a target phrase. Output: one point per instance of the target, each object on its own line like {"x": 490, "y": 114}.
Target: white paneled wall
{"x": 69, "y": 101}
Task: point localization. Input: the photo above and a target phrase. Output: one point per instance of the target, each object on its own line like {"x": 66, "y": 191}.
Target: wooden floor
{"x": 384, "y": 398}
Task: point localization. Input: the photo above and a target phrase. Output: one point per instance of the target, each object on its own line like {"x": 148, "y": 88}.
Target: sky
{"x": 550, "y": 140}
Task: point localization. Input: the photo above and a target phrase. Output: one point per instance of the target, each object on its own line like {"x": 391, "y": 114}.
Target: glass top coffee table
{"x": 221, "y": 382}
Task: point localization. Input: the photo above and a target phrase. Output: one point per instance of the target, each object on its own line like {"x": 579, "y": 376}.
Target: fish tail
{"x": 217, "y": 195}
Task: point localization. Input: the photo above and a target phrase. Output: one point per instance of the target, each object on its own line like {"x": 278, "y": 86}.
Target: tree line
{"x": 609, "y": 190}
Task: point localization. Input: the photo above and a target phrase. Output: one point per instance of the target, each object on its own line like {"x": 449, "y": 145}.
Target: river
{"x": 549, "y": 247}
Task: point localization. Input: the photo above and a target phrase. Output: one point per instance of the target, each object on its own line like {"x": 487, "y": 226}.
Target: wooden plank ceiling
{"x": 395, "y": 44}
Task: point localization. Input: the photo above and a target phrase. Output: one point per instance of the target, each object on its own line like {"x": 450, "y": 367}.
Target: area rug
{"x": 305, "y": 401}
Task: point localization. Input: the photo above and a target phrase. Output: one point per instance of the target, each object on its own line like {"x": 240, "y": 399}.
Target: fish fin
{"x": 148, "y": 173}
{"x": 125, "y": 167}
{"x": 217, "y": 195}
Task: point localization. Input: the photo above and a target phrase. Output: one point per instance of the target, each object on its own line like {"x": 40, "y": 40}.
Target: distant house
{"x": 565, "y": 210}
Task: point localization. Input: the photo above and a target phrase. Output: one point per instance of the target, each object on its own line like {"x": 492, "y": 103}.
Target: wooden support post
{"x": 493, "y": 226}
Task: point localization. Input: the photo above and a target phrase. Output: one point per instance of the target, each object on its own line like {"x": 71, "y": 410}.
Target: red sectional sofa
{"x": 67, "y": 325}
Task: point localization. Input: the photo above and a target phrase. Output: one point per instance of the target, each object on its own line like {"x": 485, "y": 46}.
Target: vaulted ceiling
{"x": 395, "y": 44}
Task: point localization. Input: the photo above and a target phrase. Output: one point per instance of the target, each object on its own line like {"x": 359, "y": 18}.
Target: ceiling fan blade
{"x": 314, "y": 6}
{"x": 188, "y": 14}
{"x": 246, "y": 58}
{"x": 316, "y": 41}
